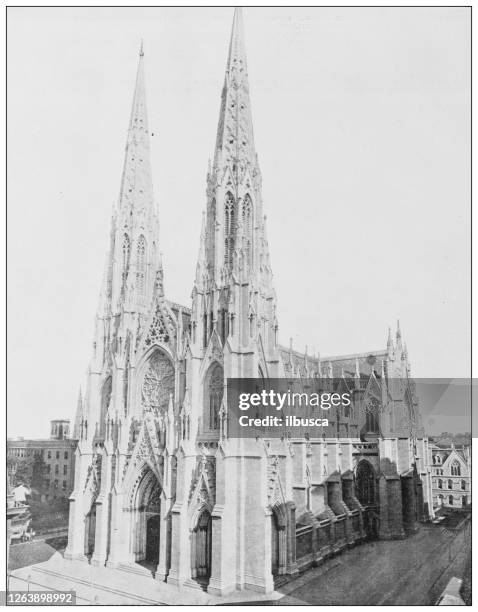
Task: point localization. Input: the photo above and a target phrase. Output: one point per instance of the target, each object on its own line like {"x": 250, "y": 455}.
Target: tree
{"x": 20, "y": 469}
{"x": 38, "y": 472}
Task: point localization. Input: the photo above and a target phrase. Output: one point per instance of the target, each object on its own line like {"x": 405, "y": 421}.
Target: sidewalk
{"x": 107, "y": 586}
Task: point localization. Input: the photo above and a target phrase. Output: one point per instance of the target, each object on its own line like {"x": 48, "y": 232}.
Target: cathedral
{"x": 160, "y": 488}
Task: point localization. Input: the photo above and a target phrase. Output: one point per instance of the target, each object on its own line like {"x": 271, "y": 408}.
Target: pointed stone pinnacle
{"x": 136, "y": 184}
{"x": 357, "y": 368}
{"x": 235, "y": 138}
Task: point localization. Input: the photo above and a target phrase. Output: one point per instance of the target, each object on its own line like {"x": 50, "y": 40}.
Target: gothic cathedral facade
{"x": 160, "y": 488}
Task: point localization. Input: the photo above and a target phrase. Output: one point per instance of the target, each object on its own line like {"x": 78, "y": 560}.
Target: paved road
{"x": 413, "y": 571}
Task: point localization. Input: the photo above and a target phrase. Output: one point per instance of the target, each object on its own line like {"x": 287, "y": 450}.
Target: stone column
{"x": 164, "y": 541}
{"x": 390, "y": 495}
{"x": 180, "y": 570}
{"x": 102, "y": 513}
{"x": 269, "y": 578}
{"x": 228, "y": 522}
{"x": 409, "y": 503}
{"x": 291, "y": 567}
{"x": 76, "y": 527}
{"x": 120, "y": 530}
{"x": 353, "y": 504}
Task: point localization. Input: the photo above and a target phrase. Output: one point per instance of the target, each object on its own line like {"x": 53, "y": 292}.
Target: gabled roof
{"x": 346, "y": 364}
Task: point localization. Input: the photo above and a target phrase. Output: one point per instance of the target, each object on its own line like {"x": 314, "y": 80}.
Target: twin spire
{"x": 235, "y": 137}
{"x": 135, "y": 218}
{"x": 136, "y": 184}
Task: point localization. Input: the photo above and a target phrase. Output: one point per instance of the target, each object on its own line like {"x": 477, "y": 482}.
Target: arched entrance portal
{"x": 275, "y": 545}
{"x": 152, "y": 539}
{"x": 201, "y": 549}
{"x": 90, "y": 531}
{"x": 365, "y": 484}
{"x": 278, "y": 540}
{"x": 366, "y": 493}
{"x": 146, "y": 521}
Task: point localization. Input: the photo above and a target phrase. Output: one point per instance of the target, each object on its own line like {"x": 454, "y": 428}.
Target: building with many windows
{"x": 52, "y": 465}
{"x": 451, "y": 475}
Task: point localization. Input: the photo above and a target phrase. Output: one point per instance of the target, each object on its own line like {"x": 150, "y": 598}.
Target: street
{"x": 413, "y": 571}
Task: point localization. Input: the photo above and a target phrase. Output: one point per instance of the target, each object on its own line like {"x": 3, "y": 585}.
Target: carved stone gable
{"x": 373, "y": 387}
{"x": 161, "y": 329}
{"x": 203, "y": 484}
{"x": 93, "y": 477}
{"x": 147, "y": 450}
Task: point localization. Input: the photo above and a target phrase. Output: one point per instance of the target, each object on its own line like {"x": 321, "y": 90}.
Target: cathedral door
{"x": 275, "y": 545}
{"x": 90, "y": 529}
{"x": 152, "y": 539}
{"x": 365, "y": 484}
{"x": 202, "y": 549}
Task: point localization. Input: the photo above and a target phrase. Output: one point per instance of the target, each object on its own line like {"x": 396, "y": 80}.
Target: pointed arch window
{"x": 224, "y": 325}
{"x": 229, "y": 228}
{"x": 365, "y": 483}
{"x": 141, "y": 264}
{"x": 125, "y": 251}
{"x": 205, "y": 335}
{"x": 105, "y": 402}
{"x": 215, "y": 390}
{"x": 247, "y": 227}
{"x": 371, "y": 415}
{"x": 455, "y": 469}
{"x": 211, "y": 225}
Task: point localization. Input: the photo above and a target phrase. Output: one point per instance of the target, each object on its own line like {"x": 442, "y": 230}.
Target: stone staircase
{"x": 123, "y": 586}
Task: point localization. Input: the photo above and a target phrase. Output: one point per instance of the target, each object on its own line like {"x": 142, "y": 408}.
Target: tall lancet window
{"x": 215, "y": 390}
{"x": 247, "y": 227}
{"x": 211, "y": 227}
{"x": 455, "y": 469}
{"x": 141, "y": 265}
{"x": 229, "y": 228}
{"x": 126, "y": 247}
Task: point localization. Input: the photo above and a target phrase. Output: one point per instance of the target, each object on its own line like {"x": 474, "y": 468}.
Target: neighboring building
{"x": 59, "y": 429}
{"x": 158, "y": 480}
{"x": 53, "y": 466}
{"x": 18, "y": 520}
{"x": 451, "y": 475}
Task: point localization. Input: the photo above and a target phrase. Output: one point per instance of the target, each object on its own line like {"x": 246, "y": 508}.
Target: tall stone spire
{"x": 136, "y": 183}
{"x": 133, "y": 275}
{"x": 233, "y": 292}
{"x": 78, "y": 417}
{"x": 235, "y": 137}
{"x": 399, "y": 337}
{"x": 134, "y": 254}
{"x": 390, "y": 346}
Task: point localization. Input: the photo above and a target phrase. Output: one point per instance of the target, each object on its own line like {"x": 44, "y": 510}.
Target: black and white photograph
{"x": 239, "y": 305}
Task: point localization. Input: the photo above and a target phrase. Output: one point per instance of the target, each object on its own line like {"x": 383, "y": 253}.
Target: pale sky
{"x": 362, "y": 126}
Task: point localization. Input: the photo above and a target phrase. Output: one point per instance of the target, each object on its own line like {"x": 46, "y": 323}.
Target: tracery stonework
{"x": 160, "y": 329}
{"x": 158, "y": 383}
